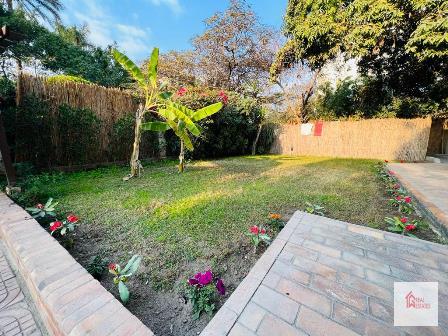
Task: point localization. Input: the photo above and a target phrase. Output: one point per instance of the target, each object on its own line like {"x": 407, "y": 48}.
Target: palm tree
{"x": 48, "y": 10}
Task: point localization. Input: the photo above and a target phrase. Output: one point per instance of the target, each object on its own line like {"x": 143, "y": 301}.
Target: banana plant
{"x": 182, "y": 120}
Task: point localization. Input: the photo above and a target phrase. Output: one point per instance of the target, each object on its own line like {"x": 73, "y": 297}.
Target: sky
{"x": 139, "y": 25}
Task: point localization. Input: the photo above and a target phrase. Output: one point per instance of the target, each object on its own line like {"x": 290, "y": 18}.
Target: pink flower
{"x": 40, "y": 206}
{"x": 404, "y": 220}
{"x": 224, "y": 97}
{"x": 408, "y": 199}
{"x": 410, "y": 227}
{"x": 182, "y": 91}
{"x": 112, "y": 267}
{"x": 55, "y": 225}
{"x": 398, "y": 198}
{"x": 391, "y": 172}
{"x": 263, "y": 231}
{"x": 254, "y": 229}
{"x": 201, "y": 279}
{"x": 220, "y": 287}
{"x": 72, "y": 218}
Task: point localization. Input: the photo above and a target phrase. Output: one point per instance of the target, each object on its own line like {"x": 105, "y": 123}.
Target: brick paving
{"x": 326, "y": 277}
{"x": 16, "y": 315}
{"x": 428, "y": 182}
{"x": 69, "y": 300}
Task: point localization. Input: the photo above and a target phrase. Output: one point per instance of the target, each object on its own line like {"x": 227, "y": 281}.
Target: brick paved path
{"x": 429, "y": 183}
{"x": 16, "y": 317}
{"x": 326, "y": 277}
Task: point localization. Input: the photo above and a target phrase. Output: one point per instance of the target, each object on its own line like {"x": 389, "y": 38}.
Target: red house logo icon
{"x": 416, "y": 302}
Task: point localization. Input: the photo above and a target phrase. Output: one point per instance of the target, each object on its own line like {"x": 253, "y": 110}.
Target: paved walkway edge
{"x": 69, "y": 300}
{"x": 438, "y": 218}
{"x": 226, "y": 317}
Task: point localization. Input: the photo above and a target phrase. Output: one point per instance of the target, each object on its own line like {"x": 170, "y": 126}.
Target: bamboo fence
{"x": 386, "y": 139}
{"x": 109, "y": 104}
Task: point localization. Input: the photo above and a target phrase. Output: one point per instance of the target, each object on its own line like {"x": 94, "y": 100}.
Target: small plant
{"x": 43, "y": 210}
{"x": 276, "y": 221}
{"x": 121, "y": 276}
{"x": 402, "y": 225}
{"x": 258, "y": 235}
{"x": 315, "y": 209}
{"x": 68, "y": 225}
{"x": 202, "y": 290}
{"x": 404, "y": 204}
{"x": 97, "y": 266}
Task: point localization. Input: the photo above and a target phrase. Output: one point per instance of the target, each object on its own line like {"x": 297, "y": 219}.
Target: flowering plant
{"x": 276, "y": 221}
{"x": 402, "y": 225}
{"x": 258, "y": 235}
{"x": 64, "y": 226}
{"x": 121, "y": 276}
{"x": 43, "y": 210}
{"x": 404, "y": 204}
{"x": 201, "y": 291}
{"x": 315, "y": 209}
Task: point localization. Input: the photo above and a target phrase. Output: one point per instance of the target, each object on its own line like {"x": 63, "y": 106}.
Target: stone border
{"x": 225, "y": 318}
{"x": 438, "y": 218}
{"x": 69, "y": 300}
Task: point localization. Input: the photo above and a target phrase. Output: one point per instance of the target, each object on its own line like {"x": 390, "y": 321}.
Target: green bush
{"x": 227, "y": 133}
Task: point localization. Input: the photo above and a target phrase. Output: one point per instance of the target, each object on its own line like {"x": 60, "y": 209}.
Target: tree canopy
{"x": 402, "y": 44}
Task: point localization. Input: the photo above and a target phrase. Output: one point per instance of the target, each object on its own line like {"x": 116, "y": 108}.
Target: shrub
{"x": 227, "y": 133}
{"x": 202, "y": 290}
{"x": 97, "y": 266}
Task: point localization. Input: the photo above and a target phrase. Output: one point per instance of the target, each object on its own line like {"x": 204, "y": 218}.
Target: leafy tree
{"x": 45, "y": 9}
{"x": 235, "y": 48}
{"x": 175, "y": 116}
{"x": 403, "y": 45}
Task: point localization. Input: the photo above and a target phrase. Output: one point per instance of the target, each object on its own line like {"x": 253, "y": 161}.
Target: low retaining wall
{"x": 391, "y": 139}
{"x": 69, "y": 300}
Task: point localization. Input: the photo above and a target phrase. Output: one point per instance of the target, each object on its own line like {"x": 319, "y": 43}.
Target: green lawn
{"x": 176, "y": 221}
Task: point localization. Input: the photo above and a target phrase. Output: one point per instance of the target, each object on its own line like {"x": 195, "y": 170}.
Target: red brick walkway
{"x": 326, "y": 277}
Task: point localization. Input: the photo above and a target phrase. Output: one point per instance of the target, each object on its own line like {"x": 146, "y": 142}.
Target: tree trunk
{"x": 182, "y": 157}
{"x": 254, "y": 145}
{"x": 135, "y": 162}
{"x": 9, "y": 5}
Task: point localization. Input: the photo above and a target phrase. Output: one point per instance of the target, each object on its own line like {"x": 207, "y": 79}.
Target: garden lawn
{"x": 185, "y": 223}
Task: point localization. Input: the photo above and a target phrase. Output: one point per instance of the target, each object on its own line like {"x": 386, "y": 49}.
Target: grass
{"x": 178, "y": 222}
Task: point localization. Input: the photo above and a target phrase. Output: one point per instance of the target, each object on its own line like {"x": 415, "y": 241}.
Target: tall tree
{"x": 48, "y": 10}
{"x": 403, "y": 44}
{"x": 235, "y": 49}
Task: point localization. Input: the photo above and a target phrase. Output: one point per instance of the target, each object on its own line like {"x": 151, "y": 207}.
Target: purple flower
{"x": 205, "y": 278}
{"x": 220, "y": 287}
{"x": 201, "y": 279}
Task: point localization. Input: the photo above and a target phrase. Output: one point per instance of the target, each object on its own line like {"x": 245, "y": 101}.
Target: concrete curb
{"x": 69, "y": 300}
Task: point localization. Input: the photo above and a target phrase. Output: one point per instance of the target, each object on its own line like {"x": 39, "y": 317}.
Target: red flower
{"x": 224, "y": 97}
{"x": 40, "y": 206}
{"x": 398, "y": 198}
{"x": 72, "y": 218}
{"x": 254, "y": 229}
{"x": 410, "y": 227}
{"x": 387, "y": 161}
{"x": 112, "y": 266}
{"x": 263, "y": 231}
{"x": 182, "y": 91}
{"x": 404, "y": 220}
{"x": 408, "y": 199}
{"x": 56, "y": 225}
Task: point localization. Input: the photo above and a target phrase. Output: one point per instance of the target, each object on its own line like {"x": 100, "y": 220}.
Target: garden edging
{"x": 69, "y": 300}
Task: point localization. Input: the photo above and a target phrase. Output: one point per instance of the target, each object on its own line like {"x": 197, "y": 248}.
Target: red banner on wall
{"x": 318, "y": 127}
